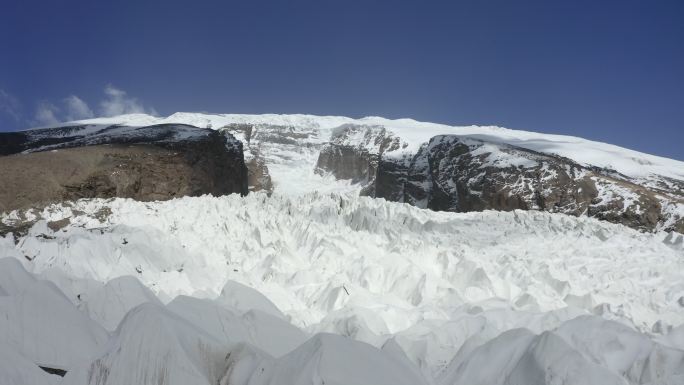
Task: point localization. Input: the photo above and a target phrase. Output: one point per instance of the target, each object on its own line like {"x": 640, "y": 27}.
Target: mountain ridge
{"x": 495, "y": 168}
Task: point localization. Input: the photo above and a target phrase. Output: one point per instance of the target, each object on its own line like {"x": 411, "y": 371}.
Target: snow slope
{"x": 258, "y": 290}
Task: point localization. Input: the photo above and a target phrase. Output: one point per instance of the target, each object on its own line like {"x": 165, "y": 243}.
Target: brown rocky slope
{"x": 144, "y": 163}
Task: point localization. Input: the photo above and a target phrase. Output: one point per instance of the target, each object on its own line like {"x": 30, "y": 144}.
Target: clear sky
{"x": 606, "y": 70}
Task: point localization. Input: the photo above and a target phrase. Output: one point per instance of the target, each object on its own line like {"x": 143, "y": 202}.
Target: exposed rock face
{"x": 258, "y": 177}
{"x": 354, "y": 152}
{"x": 347, "y": 162}
{"x": 145, "y": 163}
{"x": 452, "y": 173}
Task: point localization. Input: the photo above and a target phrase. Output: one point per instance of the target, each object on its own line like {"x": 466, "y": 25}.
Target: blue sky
{"x": 607, "y": 70}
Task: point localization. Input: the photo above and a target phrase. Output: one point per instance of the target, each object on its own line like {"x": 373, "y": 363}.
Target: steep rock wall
{"x": 155, "y": 163}
{"x": 453, "y": 173}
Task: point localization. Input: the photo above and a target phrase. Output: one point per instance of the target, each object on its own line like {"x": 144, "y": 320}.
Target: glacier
{"x": 333, "y": 288}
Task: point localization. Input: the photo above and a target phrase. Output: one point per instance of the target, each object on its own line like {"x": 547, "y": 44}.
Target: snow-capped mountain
{"x": 444, "y": 167}
{"x": 310, "y": 279}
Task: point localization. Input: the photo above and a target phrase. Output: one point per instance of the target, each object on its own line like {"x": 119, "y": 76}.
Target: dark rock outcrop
{"x": 452, "y": 173}
{"x": 144, "y": 163}
{"x": 347, "y": 162}
{"x": 258, "y": 177}
{"x": 354, "y": 152}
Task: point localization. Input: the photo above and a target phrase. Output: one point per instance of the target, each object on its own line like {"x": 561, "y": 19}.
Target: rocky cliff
{"x": 144, "y": 163}
{"x": 455, "y": 173}
{"x": 258, "y": 176}
{"x": 354, "y": 152}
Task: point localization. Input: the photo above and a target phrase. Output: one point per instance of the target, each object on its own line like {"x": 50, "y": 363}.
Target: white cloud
{"x": 77, "y": 109}
{"x": 9, "y": 105}
{"x": 117, "y": 102}
{"x": 46, "y": 114}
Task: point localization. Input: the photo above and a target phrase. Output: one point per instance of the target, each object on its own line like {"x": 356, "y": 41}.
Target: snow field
{"x": 337, "y": 289}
